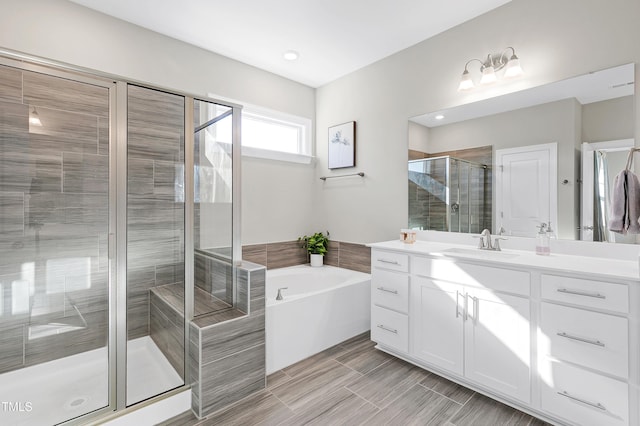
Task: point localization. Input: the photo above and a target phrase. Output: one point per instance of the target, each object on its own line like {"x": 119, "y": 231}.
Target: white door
{"x": 437, "y": 323}
{"x": 526, "y": 193}
{"x": 588, "y": 190}
{"x": 497, "y": 339}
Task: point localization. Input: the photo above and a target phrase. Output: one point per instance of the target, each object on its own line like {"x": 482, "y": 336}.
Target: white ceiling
{"x": 333, "y": 37}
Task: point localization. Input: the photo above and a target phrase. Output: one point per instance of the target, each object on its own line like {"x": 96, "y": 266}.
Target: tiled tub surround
{"x": 321, "y": 308}
{"x": 53, "y": 218}
{"x": 289, "y": 253}
{"x": 227, "y": 348}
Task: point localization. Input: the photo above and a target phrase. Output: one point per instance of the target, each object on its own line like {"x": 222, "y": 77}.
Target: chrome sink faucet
{"x": 485, "y": 241}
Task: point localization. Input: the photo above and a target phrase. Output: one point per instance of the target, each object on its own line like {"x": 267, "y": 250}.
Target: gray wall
{"x": 608, "y": 120}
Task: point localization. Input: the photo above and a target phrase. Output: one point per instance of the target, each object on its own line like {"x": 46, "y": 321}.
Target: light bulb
{"x": 465, "y": 82}
{"x": 513, "y": 68}
{"x": 488, "y": 76}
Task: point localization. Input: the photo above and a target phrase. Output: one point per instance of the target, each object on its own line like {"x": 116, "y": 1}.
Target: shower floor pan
{"x": 56, "y": 391}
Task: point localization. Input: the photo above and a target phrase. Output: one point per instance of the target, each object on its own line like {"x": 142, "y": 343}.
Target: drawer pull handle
{"x": 582, "y": 293}
{"x": 391, "y": 330}
{"x": 581, "y": 339}
{"x": 387, "y": 290}
{"x": 591, "y": 404}
{"x": 391, "y": 262}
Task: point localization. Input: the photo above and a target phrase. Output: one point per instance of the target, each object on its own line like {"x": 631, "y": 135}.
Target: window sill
{"x": 276, "y": 155}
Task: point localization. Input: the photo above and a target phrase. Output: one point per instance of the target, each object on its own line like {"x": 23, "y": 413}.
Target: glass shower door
{"x": 155, "y": 243}
{"x": 54, "y": 245}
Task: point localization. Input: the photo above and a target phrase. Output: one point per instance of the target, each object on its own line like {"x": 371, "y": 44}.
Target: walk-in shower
{"x": 448, "y": 194}
{"x": 111, "y": 196}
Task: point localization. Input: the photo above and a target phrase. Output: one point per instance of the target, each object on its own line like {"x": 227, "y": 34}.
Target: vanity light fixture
{"x": 488, "y": 68}
{"x": 34, "y": 118}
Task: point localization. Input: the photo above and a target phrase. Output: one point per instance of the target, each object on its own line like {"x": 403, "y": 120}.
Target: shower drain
{"x": 76, "y": 402}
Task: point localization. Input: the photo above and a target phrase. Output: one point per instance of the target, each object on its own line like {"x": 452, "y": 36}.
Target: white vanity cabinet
{"x": 437, "y": 325}
{"x": 467, "y": 328}
{"x": 540, "y": 334}
{"x": 390, "y": 300}
{"x": 583, "y": 350}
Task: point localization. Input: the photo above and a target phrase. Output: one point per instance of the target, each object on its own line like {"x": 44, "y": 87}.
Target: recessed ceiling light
{"x": 439, "y": 117}
{"x": 291, "y": 55}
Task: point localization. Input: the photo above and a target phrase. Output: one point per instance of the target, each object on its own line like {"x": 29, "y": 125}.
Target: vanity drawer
{"x": 583, "y": 398}
{"x": 588, "y": 293}
{"x": 390, "y": 290}
{"x": 390, "y": 260}
{"x": 492, "y": 278}
{"x": 592, "y": 339}
{"x": 390, "y": 328}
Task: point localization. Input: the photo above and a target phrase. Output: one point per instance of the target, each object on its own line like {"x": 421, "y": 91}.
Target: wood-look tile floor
{"x": 355, "y": 384}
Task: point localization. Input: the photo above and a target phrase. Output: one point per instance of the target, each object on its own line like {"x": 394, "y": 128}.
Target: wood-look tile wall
{"x": 279, "y": 255}
{"x": 53, "y": 216}
{"x": 166, "y": 325}
{"x": 155, "y": 199}
{"x": 228, "y": 358}
{"x": 213, "y": 275}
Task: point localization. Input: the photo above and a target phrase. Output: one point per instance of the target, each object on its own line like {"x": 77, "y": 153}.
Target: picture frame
{"x": 342, "y": 145}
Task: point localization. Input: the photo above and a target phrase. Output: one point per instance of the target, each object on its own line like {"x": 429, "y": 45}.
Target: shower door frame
{"x": 117, "y": 222}
{"x": 49, "y": 68}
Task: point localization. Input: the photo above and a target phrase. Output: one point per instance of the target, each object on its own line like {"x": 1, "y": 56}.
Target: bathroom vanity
{"x": 556, "y": 336}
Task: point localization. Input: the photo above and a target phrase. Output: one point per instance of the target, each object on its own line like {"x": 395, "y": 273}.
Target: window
{"x": 274, "y": 135}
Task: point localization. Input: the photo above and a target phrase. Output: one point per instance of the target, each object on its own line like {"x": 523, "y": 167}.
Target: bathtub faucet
{"x": 279, "y": 296}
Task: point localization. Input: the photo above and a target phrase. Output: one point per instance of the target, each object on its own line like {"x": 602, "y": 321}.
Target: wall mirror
{"x": 511, "y": 162}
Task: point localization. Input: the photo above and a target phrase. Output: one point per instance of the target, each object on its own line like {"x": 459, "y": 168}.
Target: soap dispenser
{"x": 542, "y": 240}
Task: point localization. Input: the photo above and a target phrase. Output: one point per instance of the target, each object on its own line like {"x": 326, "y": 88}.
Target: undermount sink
{"x": 478, "y": 253}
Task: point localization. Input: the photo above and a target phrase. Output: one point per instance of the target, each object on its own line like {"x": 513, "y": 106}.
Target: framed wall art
{"x": 342, "y": 145}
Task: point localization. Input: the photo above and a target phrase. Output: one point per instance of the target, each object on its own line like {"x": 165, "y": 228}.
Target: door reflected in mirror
{"x": 592, "y": 108}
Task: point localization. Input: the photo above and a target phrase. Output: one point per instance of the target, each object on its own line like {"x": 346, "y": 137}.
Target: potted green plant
{"x": 316, "y": 245}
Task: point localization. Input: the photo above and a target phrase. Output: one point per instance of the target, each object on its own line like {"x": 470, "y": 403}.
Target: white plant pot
{"x": 316, "y": 260}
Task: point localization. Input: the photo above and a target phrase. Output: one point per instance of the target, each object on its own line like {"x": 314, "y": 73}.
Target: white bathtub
{"x": 321, "y": 308}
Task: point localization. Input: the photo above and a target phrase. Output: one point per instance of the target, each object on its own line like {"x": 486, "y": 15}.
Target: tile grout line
{"x": 363, "y": 398}
{"x": 445, "y": 396}
{"x": 378, "y": 409}
{"x": 352, "y": 369}
{"x": 458, "y": 410}
{"x": 283, "y": 403}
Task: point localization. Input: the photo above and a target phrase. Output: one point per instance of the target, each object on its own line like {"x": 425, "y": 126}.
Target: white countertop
{"x": 599, "y": 267}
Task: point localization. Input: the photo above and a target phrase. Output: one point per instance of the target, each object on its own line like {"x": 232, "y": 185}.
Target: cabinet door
{"x": 437, "y": 323}
{"x": 497, "y": 343}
